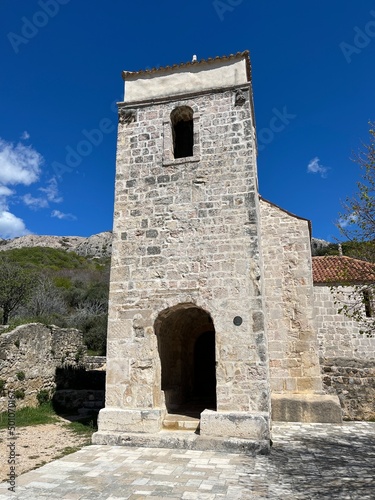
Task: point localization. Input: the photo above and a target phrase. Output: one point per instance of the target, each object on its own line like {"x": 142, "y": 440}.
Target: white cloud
{"x": 314, "y": 167}
{"x": 4, "y": 191}
{"x": 32, "y": 202}
{"x": 11, "y": 226}
{"x": 25, "y": 135}
{"x": 348, "y": 220}
{"x": 52, "y": 191}
{"x": 61, "y": 215}
{"x": 19, "y": 164}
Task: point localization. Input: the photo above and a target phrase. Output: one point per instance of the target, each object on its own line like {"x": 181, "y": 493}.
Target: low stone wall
{"x": 347, "y": 357}
{"x": 95, "y": 362}
{"x": 30, "y": 356}
{"x": 353, "y": 380}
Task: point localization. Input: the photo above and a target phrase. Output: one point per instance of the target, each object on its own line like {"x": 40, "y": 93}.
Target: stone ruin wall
{"x": 30, "y": 355}
{"x": 347, "y": 358}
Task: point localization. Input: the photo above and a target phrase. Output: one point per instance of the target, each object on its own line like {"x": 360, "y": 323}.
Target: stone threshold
{"x": 179, "y": 422}
{"x": 187, "y": 440}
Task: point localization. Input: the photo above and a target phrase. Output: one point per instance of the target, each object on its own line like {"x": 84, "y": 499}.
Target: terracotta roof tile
{"x": 336, "y": 269}
{"x": 238, "y": 55}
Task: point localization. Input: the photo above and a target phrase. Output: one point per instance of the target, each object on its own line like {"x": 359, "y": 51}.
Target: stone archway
{"x": 186, "y": 344}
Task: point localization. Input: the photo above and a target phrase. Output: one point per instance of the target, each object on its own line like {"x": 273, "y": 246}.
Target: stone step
{"x": 180, "y": 423}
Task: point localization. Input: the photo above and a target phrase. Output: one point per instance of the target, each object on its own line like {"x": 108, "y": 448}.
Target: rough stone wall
{"x": 293, "y": 347}
{"x": 95, "y": 362}
{"x": 347, "y": 357}
{"x": 29, "y": 356}
{"x": 186, "y": 232}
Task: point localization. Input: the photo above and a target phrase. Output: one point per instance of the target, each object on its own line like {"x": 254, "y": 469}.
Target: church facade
{"x": 211, "y": 293}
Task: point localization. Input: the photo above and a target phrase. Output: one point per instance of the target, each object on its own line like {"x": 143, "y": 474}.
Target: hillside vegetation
{"x": 63, "y": 288}
{"x": 358, "y": 250}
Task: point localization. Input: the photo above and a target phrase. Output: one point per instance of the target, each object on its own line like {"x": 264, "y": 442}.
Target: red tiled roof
{"x": 336, "y": 269}
{"x": 238, "y": 55}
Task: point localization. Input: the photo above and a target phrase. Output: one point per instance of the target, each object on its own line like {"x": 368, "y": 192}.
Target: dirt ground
{"x": 37, "y": 445}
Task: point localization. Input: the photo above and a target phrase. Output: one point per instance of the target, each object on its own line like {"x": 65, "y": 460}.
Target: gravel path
{"x": 37, "y": 445}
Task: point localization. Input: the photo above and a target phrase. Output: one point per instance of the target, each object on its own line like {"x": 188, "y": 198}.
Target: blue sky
{"x": 61, "y": 60}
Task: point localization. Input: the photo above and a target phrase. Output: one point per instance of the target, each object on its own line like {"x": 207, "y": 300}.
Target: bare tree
{"x": 46, "y": 299}
{"x": 357, "y": 224}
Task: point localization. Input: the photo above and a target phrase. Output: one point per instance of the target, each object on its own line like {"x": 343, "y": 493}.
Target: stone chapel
{"x": 211, "y": 290}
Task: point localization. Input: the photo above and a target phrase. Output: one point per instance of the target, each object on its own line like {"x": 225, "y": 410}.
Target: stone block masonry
{"x": 353, "y": 380}
{"x": 186, "y": 261}
{"x": 347, "y": 357}
{"x": 293, "y": 344}
{"x": 189, "y": 240}
{"x": 296, "y": 382}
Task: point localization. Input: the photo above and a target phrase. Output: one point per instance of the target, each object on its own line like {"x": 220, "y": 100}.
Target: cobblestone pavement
{"x": 307, "y": 461}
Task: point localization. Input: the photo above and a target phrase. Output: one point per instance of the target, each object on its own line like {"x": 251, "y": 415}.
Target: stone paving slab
{"x": 307, "y": 461}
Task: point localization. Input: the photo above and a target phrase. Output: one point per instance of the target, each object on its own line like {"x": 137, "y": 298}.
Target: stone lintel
{"x": 307, "y": 408}
{"x": 230, "y": 424}
{"x": 118, "y": 420}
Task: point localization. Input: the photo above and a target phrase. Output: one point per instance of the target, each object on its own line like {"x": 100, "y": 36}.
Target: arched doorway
{"x": 186, "y": 344}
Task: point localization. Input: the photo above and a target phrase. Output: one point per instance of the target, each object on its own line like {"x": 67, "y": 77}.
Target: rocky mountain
{"x": 317, "y": 245}
{"x": 97, "y": 245}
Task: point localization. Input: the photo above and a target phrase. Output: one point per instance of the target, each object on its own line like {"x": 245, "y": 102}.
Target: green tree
{"x": 357, "y": 224}
{"x": 15, "y": 287}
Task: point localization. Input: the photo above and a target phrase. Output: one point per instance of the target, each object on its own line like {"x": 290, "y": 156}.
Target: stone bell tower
{"x": 186, "y": 320}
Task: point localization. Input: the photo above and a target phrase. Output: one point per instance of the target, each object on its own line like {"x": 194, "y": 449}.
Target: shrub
{"x": 43, "y": 397}
{"x": 21, "y": 376}
{"x": 79, "y": 355}
{"x": 19, "y": 393}
{"x": 95, "y": 334}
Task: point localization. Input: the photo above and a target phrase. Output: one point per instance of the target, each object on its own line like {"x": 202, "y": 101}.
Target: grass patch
{"x": 68, "y": 451}
{"x": 83, "y": 427}
{"x": 40, "y": 464}
{"x": 92, "y": 352}
{"x": 43, "y": 414}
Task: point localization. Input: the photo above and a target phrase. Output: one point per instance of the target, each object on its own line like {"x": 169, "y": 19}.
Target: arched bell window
{"x": 182, "y": 131}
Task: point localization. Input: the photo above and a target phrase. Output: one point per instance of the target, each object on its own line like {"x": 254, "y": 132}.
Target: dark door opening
{"x": 204, "y": 369}
{"x": 186, "y": 344}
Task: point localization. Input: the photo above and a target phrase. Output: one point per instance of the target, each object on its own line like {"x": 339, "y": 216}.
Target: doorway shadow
{"x": 186, "y": 345}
